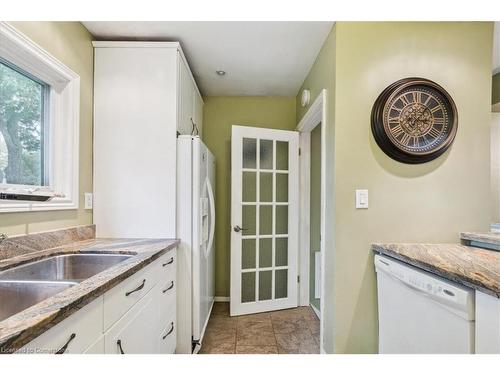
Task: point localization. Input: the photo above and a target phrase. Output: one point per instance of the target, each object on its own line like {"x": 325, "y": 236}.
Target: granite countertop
{"x": 484, "y": 237}
{"x": 19, "y": 329}
{"x": 470, "y": 266}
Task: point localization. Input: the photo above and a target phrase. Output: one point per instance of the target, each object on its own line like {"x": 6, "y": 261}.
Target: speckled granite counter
{"x": 482, "y": 237}
{"x": 23, "y": 327}
{"x": 470, "y": 266}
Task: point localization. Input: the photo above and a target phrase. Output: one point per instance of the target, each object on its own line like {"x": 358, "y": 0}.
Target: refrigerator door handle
{"x": 212, "y": 216}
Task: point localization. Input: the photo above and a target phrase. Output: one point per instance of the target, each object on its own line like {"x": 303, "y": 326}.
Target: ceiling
{"x": 259, "y": 58}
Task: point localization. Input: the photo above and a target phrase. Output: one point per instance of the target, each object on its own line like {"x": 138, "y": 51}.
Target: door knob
{"x": 237, "y": 229}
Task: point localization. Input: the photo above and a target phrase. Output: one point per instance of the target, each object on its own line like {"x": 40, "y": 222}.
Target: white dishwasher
{"x": 422, "y": 313}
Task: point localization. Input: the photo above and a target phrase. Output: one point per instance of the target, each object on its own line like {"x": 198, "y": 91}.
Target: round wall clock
{"x": 414, "y": 120}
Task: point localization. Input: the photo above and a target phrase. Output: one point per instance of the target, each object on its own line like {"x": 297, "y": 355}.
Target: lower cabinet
{"x": 73, "y": 335}
{"x": 136, "y": 331}
{"x": 487, "y": 324}
{"x": 127, "y": 319}
{"x": 97, "y": 347}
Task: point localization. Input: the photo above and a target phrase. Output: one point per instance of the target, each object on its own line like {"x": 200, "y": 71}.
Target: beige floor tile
{"x": 255, "y": 333}
{"x": 262, "y": 317}
{"x": 314, "y": 327}
{"x": 220, "y": 308}
{"x": 297, "y": 343}
{"x": 218, "y": 348}
{"x": 292, "y": 325}
{"x": 263, "y": 349}
{"x": 221, "y": 322}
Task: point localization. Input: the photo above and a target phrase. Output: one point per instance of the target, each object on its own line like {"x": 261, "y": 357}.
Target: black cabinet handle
{"x": 136, "y": 289}
{"x": 170, "y": 287}
{"x": 63, "y": 349}
{"x": 119, "y": 343}
{"x": 170, "y": 331}
{"x": 169, "y": 262}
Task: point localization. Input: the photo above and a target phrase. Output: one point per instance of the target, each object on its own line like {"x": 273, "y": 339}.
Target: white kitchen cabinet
{"x": 144, "y": 93}
{"x": 141, "y": 315}
{"x": 487, "y": 324}
{"x": 186, "y": 100}
{"x": 97, "y": 347}
{"x": 198, "y": 112}
{"x": 136, "y": 332}
{"x": 126, "y": 294}
{"x": 73, "y": 335}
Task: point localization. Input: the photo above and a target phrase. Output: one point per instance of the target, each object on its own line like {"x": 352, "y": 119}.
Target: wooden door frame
{"x": 316, "y": 115}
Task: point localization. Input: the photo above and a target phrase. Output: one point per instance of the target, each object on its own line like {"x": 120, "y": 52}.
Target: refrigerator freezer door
{"x": 203, "y": 261}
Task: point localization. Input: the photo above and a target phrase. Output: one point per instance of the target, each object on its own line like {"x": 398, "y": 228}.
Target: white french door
{"x": 264, "y": 219}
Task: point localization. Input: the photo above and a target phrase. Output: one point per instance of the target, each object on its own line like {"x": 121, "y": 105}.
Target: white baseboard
{"x": 316, "y": 311}
{"x": 221, "y": 299}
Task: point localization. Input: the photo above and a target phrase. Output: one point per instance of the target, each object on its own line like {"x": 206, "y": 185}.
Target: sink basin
{"x": 16, "y": 296}
{"x": 69, "y": 267}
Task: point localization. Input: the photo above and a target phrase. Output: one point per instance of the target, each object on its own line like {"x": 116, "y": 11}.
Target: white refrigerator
{"x": 196, "y": 230}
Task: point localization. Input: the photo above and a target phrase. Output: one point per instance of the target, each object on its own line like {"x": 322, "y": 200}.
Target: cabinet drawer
{"x": 73, "y": 335}
{"x": 166, "y": 295}
{"x": 168, "y": 339}
{"x": 167, "y": 265}
{"x": 121, "y": 298}
{"x": 137, "y": 331}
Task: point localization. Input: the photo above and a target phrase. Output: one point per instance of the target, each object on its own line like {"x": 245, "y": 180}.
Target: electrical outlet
{"x": 88, "y": 201}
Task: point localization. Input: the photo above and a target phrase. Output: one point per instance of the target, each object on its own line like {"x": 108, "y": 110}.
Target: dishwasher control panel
{"x": 422, "y": 282}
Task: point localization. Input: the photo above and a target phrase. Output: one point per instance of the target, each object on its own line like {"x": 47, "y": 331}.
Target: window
{"x": 23, "y": 127}
{"x": 39, "y": 125}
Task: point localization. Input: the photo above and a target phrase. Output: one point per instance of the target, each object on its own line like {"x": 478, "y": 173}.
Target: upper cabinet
{"x": 190, "y": 103}
{"x": 144, "y": 94}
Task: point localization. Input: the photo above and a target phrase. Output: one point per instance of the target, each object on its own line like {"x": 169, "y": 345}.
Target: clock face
{"x": 414, "y": 120}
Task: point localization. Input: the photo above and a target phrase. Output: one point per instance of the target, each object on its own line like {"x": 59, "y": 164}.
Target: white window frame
{"x": 64, "y": 120}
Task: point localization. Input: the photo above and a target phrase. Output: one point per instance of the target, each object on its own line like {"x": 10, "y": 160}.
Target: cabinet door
{"x": 137, "y": 331}
{"x": 97, "y": 347}
{"x": 198, "y": 111}
{"x": 185, "y": 116}
{"x": 71, "y": 336}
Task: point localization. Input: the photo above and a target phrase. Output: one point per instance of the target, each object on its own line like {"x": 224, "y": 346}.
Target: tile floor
{"x": 292, "y": 331}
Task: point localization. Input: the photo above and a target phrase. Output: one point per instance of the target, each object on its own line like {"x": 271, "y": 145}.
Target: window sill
{"x": 52, "y": 205}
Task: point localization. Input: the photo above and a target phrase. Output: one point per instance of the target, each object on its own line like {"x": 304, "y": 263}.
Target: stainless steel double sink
{"x": 26, "y": 285}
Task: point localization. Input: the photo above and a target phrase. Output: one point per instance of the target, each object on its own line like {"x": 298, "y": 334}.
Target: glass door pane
{"x": 264, "y": 263}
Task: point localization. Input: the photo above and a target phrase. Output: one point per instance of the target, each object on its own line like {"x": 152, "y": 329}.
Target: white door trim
{"x": 238, "y": 133}
{"x": 316, "y": 115}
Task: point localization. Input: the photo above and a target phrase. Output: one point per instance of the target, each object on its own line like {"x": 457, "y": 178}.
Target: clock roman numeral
{"x": 439, "y": 120}
{"x": 404, "y": 100}
{"x": 417, "y": 96}
{"x": 434, "y": 132}
{"x": 397, "y": 131}
{"x": 406, "y": 139}
{"x": 436, "y": 108}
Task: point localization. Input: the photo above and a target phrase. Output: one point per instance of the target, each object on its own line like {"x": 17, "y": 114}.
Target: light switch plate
{"x": 361, "y": 198}
{"x": 88, "y": 201}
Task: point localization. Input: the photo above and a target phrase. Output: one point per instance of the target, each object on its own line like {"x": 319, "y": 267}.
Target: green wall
{"x": 315, "y": 211}
{"x": 71, "y": 43}
{"x": 495, "y": 92}
{"x": 219, "y": 114}
{"x": 444, "y": 197}
{"x": 322, "y": 76}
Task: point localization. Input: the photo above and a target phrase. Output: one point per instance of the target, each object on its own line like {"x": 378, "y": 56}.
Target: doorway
{"x": 312, "y": 207}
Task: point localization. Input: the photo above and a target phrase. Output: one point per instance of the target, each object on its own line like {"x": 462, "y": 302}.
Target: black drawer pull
{"x": 170, "y": 331}
{"x": 119, "y": 343}
{"x": 169, "y": 288}
{"x": 169, "y": 262}
{"x": 63, "y": 349}
{"x": 136, "y": 289}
